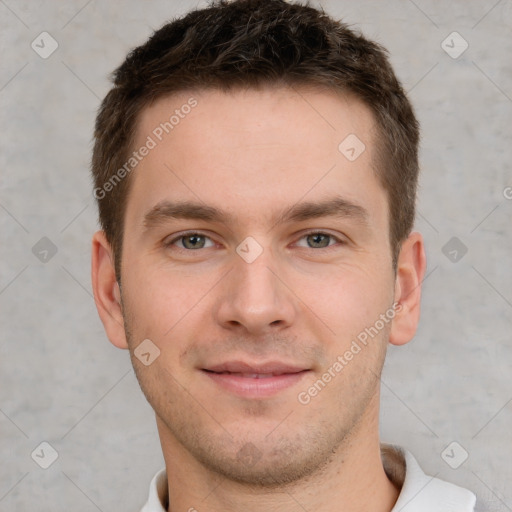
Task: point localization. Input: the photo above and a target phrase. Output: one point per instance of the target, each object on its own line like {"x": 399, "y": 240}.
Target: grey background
{"x": 61, "y": 380}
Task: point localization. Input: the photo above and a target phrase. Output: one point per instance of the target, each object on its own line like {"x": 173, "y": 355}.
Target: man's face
{"x": 250, "y": 310}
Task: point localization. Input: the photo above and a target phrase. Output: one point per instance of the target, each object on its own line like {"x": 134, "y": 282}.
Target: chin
{"x": 265, "y": 464}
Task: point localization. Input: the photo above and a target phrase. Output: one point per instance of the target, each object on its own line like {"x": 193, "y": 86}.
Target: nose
{"x": 255, "y": 297}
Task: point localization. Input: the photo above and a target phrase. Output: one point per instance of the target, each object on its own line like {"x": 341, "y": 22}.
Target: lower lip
{"x": 249, "y": 387}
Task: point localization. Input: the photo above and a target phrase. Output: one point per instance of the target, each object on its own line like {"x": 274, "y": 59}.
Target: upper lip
{"x": 274, "y": 367}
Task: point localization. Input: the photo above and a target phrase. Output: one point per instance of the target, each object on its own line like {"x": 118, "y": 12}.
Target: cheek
{"x": 162, "y": 303}
{"x": 350, "y": 299}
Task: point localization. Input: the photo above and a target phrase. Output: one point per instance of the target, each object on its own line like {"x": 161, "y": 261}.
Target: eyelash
{"x": 170, "y": 243}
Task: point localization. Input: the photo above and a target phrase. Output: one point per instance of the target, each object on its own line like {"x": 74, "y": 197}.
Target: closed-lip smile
{"x": 255, "y": 380}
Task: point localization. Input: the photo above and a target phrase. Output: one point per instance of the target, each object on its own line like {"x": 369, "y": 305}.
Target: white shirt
{"x": 419, "y": 492}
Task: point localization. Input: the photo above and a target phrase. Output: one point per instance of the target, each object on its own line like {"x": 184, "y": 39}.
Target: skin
{"x": 253, "y": 154}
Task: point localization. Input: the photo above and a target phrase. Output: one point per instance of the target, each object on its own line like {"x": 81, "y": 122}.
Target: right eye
{"x": 189, "y": 241}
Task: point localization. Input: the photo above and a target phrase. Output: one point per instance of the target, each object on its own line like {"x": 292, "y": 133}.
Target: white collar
{"x": 419, "y": 492}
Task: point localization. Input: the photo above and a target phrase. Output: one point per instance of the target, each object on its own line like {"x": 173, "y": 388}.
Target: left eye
{"x": 319, "y": 240}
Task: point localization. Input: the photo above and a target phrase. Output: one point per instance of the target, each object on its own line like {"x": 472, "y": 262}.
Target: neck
{"x": 353, "y": 480}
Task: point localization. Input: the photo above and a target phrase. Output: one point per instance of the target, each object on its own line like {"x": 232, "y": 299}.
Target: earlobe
{"x": 410, "y": 272}
{"x": 107, "y": 295}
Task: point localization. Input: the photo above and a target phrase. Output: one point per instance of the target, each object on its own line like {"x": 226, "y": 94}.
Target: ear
{"x": 410, "y": 272}
{"x": 107, "y": 294}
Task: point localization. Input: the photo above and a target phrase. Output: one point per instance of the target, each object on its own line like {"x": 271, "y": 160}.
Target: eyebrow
{"x": 333, "y": 207}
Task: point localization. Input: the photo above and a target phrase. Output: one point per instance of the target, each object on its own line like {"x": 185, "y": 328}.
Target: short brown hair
{"x": 254, "y": 43}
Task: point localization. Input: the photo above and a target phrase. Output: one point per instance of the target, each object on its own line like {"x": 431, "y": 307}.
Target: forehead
{"x": 250, "y": 150}
{"x": 258, "y": 114}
